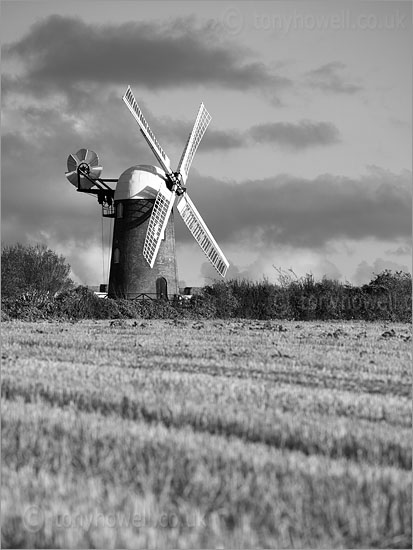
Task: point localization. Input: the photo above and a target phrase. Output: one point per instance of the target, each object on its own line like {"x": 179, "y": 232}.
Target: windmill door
{"x": 161, "y": 289}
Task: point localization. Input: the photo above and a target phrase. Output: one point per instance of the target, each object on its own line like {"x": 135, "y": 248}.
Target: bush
{"x": 34, "y": 272}
{"x": 220, "y": 296}
{"x": 20, "y": 307}
{"x": 82, "y": 303}
{"x": 391, "y": 295}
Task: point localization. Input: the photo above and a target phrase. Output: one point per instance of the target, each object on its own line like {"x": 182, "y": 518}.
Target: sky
{"x": 306, "y": 164}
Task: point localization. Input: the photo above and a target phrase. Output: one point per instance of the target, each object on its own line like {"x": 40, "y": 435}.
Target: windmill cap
{"x": 139, "y": 182}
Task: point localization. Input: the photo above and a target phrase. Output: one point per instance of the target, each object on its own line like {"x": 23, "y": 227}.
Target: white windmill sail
{"x": 156, "y": 228}
{"x": 153, "y": 143}
{"x": 201, "y": 124}
{"x": 202, "y": 235}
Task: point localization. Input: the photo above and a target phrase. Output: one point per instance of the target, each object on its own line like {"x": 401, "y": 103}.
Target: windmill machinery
{"x": 83, "y": 171}
{"x": 143, "y": 258}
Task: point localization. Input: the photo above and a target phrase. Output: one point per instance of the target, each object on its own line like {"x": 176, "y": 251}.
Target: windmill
{"x": 143, "y": 258}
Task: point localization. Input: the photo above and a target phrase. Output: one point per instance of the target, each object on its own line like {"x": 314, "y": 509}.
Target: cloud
{"x": 329, "y": 78}
{"x": 221, "y": 139}
{"x": 403, "y": 250}
{"x": 177, "y": 132}
{"x": 263, "y": 266}
{"x": 365, "y": 272}
{"x": 35, "y": 193}
{"x": 281, "y": 209}
{"x": 302, "y": 135}
{"x": 298, "y": 215}
{"x": 286, "y": 135}
{"x": 306, "y": 212}
{"x": 62, "y": 52}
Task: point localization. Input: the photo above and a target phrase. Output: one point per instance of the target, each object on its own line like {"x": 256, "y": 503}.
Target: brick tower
{"x": 130, "y": 274}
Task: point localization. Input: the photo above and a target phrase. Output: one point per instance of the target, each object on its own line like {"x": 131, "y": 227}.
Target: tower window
{"x": 116, "y": 256}
{"x": 119, "y": 210}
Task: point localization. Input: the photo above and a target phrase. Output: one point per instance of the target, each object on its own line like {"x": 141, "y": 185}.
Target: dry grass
{"x": 135, "y": 434}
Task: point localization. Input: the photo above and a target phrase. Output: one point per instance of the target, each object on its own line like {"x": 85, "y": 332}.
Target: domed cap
{"x": 139, "y": 182}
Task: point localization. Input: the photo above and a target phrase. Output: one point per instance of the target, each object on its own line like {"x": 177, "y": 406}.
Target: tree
{"x": 33, "y": 270}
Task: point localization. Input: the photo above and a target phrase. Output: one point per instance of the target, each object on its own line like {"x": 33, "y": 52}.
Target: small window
{"x": 116, "y": 256}
{"x": 119, "y": 210}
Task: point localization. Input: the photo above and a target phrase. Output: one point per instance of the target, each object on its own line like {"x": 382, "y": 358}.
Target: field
{"x": 206, "y": 434}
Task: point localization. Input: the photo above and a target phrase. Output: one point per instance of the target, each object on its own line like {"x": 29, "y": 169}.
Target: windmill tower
{"x": 143, "y": 261}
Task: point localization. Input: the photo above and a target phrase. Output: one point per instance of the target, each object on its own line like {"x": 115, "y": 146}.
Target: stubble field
{"x": 206, "y": 434}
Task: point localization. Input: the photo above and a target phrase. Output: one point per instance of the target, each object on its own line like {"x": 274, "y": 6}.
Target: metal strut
{"x": 105, "y": 194}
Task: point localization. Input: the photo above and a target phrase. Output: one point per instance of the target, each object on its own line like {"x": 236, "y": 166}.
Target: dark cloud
{"x": 304, "y": 134}
{"x": 177, "y": 132}
{"x": 329, "y": 78}
{"x": 220, "y": 139}
{"x": 61, "y": 52}
{"x": 301, "y": 135}
{"x": 36, "y": 196}
{"x": 307, "y": 213}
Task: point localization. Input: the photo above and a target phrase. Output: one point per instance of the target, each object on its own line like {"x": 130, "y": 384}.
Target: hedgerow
{"x": 387, "y": 297}
{"x": 36, "y": 285}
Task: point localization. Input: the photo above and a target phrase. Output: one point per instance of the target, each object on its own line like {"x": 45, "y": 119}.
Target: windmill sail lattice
{"x": 159, "y": 218}
{"x": 153, "y": 143}
{"x": 202, "y": 235}
{"x": 201, "y": 124}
